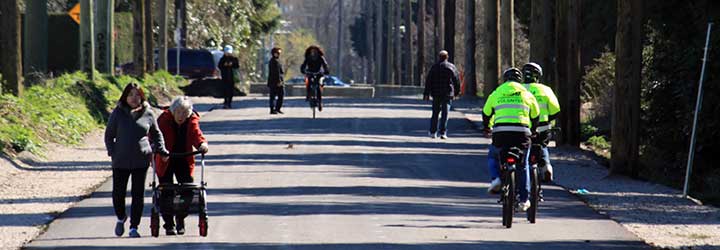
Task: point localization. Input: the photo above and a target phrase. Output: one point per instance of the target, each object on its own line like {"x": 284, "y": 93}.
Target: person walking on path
{"x": 275, "y": 82}
{"x": 227, "y": 64}
{"x": 131, "y": 136}
{"x": 442, "y": 83}
{"x": 180, "y": 127}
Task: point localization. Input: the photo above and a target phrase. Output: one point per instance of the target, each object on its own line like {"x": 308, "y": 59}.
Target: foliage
{"x": 294, "y": 45}
{"x": 587, "y": 131}
{"x": 599, "y": 142}
{"x": 65, "y": 109}
{"x": 358, "y": 34}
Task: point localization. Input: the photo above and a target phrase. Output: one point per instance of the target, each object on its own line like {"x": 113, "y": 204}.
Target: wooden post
{"x": 626, "y": 105}
{"x": 408, "y": 48}
{"x": 470, "y": 44}
{"x": 36, "y": 37}
{"x": 492, "y": 46}
{"x": 507, "y": 34}
{"x": 449, "y": 19}
{"x": 163, "y": 38}
{"x": 11, "y": 53}
{"x": 139, "y": 38}
{"x": 87, "y": 41}
{"x": 104, "y": 44}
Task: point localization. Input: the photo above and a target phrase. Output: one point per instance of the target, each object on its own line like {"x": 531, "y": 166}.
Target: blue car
{"x": 334, "y": 81}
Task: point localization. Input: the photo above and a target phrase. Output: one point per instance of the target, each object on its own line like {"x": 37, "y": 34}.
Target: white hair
{"x": 181, "y": 103}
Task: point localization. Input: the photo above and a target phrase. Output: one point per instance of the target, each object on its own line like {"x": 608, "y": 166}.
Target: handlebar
{"x": 174, "y": 155}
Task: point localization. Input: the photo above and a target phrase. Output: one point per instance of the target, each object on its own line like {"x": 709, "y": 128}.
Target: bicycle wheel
{"x": 509, "y": 199}
{"x": 534, "y": 194}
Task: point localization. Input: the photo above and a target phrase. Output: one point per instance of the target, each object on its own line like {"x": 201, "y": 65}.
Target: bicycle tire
{"x": 534, "y": 194}
{"x": 509, "y": 199}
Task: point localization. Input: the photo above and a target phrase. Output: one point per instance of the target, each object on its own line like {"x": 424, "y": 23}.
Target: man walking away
{"x": 275, "y": 82}
{"x": 443, "y": 84}
{"x": 227, "y": 64}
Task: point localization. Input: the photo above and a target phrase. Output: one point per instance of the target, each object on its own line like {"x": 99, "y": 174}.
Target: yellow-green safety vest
{"x": 547, "y": 102}
{"x": 511, "y": 107}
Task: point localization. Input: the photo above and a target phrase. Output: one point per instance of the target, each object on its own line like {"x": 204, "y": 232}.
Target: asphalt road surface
{"x": 364, "y": 175}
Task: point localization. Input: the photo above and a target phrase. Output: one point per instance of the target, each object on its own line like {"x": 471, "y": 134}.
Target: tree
{"x": 149, "y": 44}
{"x": 36, "y": 43}
{"x": 492, "y": 46}
{"x": 163, "y": 36}
{"x": 439, "y": 26}
{"x": 87, "y": 38}
{"x": 11, "y": 53}
{"x": 626, "y": 107}
{"x": 340, "y": 38}
{"x": 541, "y": 44}
{"x": 507, "y": 34}
{"x": 139, "y": 42}
{"x": 449, "y": 19}
{"x": 380, "y": 65}
{"x": 104, "y": 30}
{"x": 470, "y": 44}
{"x": 568, "y": 70}
{"x": 369, "y": 77}
{"x": 420, "y": 76}
{"x": 408, "y": 48}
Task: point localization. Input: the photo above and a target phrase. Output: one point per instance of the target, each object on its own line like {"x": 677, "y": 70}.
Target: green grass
{"x": 65, "y": 109}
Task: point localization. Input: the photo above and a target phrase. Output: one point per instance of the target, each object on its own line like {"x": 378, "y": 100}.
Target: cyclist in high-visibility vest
{"x": 513, "y": 112}
{"x": 549, "y": 109}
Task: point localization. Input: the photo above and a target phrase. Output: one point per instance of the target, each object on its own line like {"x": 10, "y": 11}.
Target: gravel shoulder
{"x": 656, "y": 213}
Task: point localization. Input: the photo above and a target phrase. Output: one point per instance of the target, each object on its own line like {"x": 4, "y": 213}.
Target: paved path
{"x": 362, "y": 176}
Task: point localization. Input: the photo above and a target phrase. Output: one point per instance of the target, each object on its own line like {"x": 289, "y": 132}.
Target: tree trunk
{"x": 139, "y": 46}
{"x": 397, "y": 41}
{"x": 369, "y": 78}
{"x": 149, "y": 43}
{"x": 11, "y": 52}
{"x": 379, "y": 45}
{"x": 541, "y": 44}
{"x": 470, "y": 44}
{"x": 408, "y": 48}
{"x": 507, "y": 36}
{"x": 568, "y": 71}
{"x": 87, "y": 40}
{"x": 104, "y": 44}
{"x": 163, "y": 38}
{"x": 626, "y": 105}
{"x": 421, "y": 43}
{"x": 439, "y": 26}
{"x": 449, "y": 19}
{"x": 390, "y": 17}
{"x": 339, "y": 52}
{"x": 36, "y": 38}
{"x": 492, "y": 46}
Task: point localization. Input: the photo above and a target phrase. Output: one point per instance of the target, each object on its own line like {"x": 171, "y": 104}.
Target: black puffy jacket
{"x": 442, "y": 80}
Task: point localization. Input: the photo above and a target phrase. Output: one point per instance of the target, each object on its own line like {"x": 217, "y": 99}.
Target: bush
{"x": 599, "y": 142}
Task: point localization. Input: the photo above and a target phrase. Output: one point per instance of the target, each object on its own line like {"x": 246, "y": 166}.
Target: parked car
{"x": 295, "y": 80}
{"x": 334, "y": 81}
{"x": 194, "y": 64}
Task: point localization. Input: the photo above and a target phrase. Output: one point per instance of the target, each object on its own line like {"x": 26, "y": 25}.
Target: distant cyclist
{"x": 513, "y": 113}
{"x": 549, "y": 109}
{"x": 314, "y": 62}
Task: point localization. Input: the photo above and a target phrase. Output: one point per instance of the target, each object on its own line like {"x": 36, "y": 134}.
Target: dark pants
{"x": 441, "y": 104}
{"x": 229, "y": 92}
{"x": 120, "y": 180}
{"x": 318, "y": 94}
{"x": 279, "y": 93}
{"x": 502, "y": 140}
{"x": 182, "y": 174}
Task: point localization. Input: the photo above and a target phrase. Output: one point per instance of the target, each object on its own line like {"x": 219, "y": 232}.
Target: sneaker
{"x": 443, "y": 136}
{"x": 548, "y": 173}
{"x": 320, "y": 106}
{"x": 524, "y": 206}
{"x": 180, "y": 227}
{"x": 273, "y": 112}
{"x": 494, "y": 187}
{"x": 134, "y": 233}
{"x": 279, "y": 112}
{"x": 120, "y": 227}
{"x": 170, "y": 231}
{"x": 432, "y": 135}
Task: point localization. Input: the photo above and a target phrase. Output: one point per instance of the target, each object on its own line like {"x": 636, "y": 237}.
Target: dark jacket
{"x": 314, "y": 65}
{"x": 275, "y": 74}
{"x": 192, "y": 137}
{"x": 442, "y": 80}
{"x": 128, "y": 138}
{"x": 226, "y": 71}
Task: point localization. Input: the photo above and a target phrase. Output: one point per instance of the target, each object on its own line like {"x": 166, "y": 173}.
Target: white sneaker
{"x": 525, "y": 206}
{"x": 443, "y": 136}
{"x": 432, "y": 135}
{"x": 494, "y": 187}
{"x": 548, "y": 173}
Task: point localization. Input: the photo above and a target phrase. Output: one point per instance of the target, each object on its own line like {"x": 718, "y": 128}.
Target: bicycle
{"x": 537, "y": 163}
{"x": 179, "y": 197}
{"x": 510, "y": 158}
{"x": 314, "y": 79}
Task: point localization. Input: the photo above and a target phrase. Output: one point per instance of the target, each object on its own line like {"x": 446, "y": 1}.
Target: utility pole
{"x": 87, "y": 41}
{"x": 181, "y": 21}
{"x": 369, "y": 15}
{"x": 389, "y": 43}
{"x": 421, "y": 43}
{"x": 397, "y": 55}
{"x": 439, "y": 26}
{"x": 11, "y": 53}
{"x": 541, "y": 44}
{"x": 36, "y": 41}
{"x": 379, "y": 62}
{"x": 104, "y": 44}
{"x": 470, "y": 44}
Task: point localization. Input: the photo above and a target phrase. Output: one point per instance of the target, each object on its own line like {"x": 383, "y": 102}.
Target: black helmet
{"x": 512, "y": 74}
{"x": 532, "y": 72}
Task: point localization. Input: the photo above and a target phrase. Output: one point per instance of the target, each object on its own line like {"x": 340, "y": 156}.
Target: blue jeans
{"x": 522, "y": 178}
{"x": 440, "y": 104}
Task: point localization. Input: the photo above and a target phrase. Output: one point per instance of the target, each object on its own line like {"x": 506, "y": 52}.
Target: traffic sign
{"x": 75, "y": 13}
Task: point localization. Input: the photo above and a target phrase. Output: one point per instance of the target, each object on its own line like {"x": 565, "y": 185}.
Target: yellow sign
{"x": 75, "y": 13}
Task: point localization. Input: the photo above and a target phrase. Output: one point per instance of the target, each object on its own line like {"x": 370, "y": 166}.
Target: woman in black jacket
{"x": 275, "y": 82}
{"x": 314, "y": 62}
{"x": 130, "y": 131}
